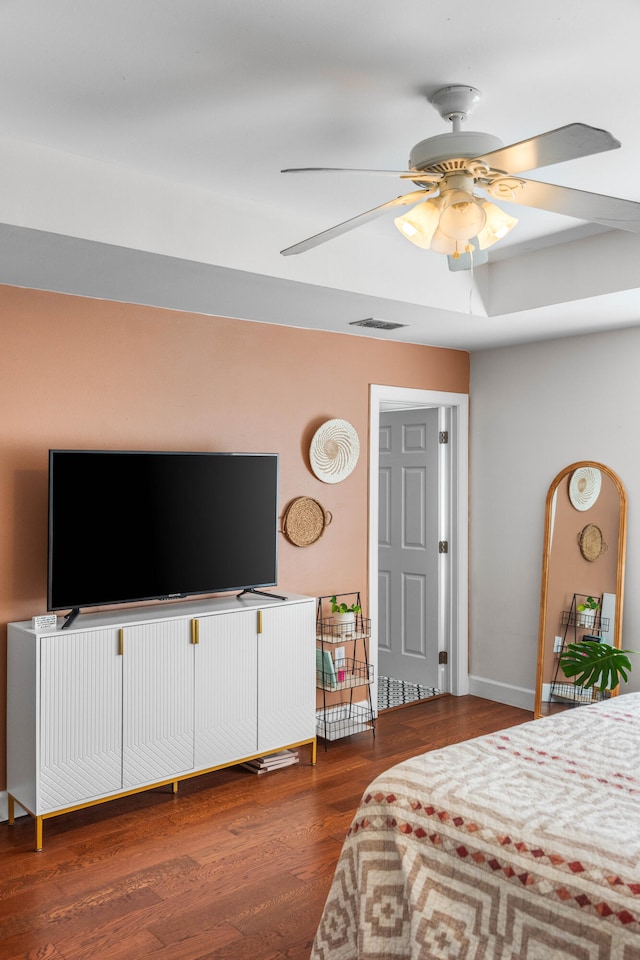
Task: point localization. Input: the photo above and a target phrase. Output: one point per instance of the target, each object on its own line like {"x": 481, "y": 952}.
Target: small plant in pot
{"x": 587, "y": 612}
{"x": 344, "y": 613}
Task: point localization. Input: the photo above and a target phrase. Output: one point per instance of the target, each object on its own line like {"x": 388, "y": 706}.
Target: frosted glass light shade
{"x": 441, "y": 243}
{"x": 463, "y": 216}
{"x": 497, "y": 226}
{"x": 420, "y": 223}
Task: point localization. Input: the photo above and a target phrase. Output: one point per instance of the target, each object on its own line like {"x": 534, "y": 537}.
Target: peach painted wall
{"x": 79, "y": 373}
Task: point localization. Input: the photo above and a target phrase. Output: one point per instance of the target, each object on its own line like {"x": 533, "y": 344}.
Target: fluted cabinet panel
{"x": 286, "y": 676}
{"x": 80, "y": 718}
{"x": 226, "y": 691}
{"x": 158, "y": 701}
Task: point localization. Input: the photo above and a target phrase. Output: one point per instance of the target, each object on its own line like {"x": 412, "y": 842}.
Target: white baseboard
{"x": 502, "y": 692}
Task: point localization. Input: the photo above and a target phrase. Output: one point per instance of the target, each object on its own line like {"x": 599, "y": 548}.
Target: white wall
{"x": 535, "y": 409}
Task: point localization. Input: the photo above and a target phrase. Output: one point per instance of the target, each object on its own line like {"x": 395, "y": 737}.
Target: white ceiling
{"x": 141, "y": 143}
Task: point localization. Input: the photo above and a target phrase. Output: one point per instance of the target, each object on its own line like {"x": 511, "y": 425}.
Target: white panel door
{"x": 158, "y": 701}
{"x": 286, "y": 675}
{"x": 80, "y": 718}
{"x": 226, "y": 693}
{"x": 408, "y": 546}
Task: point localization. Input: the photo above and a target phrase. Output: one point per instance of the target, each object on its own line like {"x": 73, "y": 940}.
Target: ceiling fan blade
{"x": 566, "y": 143}
{"x": 594, "y": 207}
{"x": 406, "y": 200}
{"x": 416, "y": 175}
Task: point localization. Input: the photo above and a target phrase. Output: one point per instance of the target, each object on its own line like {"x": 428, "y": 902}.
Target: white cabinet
{"x": 261, "y": 698}
{"x": 226, "y": 688}
{"x": 80, "y": 718}
{"x": 129, "y": 700}
{"x": 157, "y": 702}
{"x": 286, "y": 681}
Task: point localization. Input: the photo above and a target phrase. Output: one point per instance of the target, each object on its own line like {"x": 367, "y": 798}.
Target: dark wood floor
{"x": 234, "y": 866}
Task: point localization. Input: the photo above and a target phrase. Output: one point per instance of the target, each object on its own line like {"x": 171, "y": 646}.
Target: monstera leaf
{"x": 590, "y": 663}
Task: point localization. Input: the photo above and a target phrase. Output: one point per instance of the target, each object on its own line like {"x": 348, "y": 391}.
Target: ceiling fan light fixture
{"x": 498, "y": 225}
{"x": 441, "y": 243}
{"x": 463, "y": 215}
{"x": 448, "y": 223}
{"x": 420, "y": 223}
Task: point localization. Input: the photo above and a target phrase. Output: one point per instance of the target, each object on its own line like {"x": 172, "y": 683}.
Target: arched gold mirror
{"x": 583, "y": 564}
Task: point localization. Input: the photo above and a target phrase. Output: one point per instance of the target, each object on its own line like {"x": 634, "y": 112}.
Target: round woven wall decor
{"x": 591, "y": 542}
{"x": 304, "y": 521}
{"x": 584, "y": 487}
{"x": 334, "y": 452}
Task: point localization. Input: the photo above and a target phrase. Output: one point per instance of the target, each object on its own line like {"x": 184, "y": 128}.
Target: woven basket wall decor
{"x": 591, "y": 542}
{"x": 304, "y": 521}
{"x": 584, "y": 487}
{"x": 334, "y": 452}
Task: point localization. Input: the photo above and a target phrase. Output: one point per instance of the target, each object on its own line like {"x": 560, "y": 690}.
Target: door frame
{"x": 454, "y": 522}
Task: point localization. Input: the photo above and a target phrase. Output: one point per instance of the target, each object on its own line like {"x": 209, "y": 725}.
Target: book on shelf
{"x": 325, "y": 670}
{"x": 273, "y": 761}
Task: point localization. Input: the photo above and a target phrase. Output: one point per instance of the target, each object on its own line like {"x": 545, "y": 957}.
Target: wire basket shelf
{"x": 343, "y": 720}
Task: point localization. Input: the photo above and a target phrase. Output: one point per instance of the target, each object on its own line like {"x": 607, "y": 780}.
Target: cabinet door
{"x": 80, "y": 718}
{"x": 226, "y": 688}
{"x": 286, "y": 675}
{"x": 158, "y": 667}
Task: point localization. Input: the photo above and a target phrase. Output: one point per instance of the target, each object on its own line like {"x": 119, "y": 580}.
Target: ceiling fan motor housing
{"x": 448, "y": 147}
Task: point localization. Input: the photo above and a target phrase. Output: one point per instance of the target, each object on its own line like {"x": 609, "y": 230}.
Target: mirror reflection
{"x": 582, "y": 576}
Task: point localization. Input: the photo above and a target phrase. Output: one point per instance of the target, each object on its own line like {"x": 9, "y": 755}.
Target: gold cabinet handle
{"x": 195, "y": 631}
{"x": 121, "y": 642}
{"x": 259, "y": 621}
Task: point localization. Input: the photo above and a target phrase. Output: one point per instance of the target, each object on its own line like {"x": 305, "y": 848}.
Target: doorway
{"x": 445, "y": 415}
{"x": 408, "y": 563}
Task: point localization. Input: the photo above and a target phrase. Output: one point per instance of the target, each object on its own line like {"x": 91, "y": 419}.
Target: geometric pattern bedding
{"x": 519, "y": 845}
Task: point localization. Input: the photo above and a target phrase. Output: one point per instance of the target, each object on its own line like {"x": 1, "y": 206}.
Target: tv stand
{"x": 261, "y": 593}
{"x": 70, "y": 617}
{"x": 133, "y": 699}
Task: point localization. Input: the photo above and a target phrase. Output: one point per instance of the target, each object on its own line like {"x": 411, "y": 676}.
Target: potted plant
{"x": 344, "y": 613}
{"x": 587, "y": 611}
{"x": 591, "y": 662}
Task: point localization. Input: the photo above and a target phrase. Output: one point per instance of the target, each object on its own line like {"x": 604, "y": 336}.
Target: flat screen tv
{"x": 131, "y": 526}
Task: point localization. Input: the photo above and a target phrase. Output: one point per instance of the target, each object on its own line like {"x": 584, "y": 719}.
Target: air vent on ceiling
{"x": 371, "y": 322}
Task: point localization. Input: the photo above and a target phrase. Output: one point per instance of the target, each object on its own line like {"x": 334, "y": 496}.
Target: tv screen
{"x": 128, "y": 526}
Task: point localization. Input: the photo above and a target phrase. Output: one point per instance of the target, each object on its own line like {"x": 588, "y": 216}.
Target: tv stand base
{"x": 261, "y": 593}
{"x": 70, "y": 617}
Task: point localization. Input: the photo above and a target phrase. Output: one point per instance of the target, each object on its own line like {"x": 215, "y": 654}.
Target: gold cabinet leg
{"x": 38, "y": 834}
{"x": 314, "y": 746}
{"x": 174, "y": 786}
{"x": 11, "y": 808}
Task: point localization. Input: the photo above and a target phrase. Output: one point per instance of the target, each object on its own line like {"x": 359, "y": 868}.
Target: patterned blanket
{"x": 522, "y": 844}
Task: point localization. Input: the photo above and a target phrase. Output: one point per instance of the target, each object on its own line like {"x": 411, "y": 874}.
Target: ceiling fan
{"x": 448, "y": 217}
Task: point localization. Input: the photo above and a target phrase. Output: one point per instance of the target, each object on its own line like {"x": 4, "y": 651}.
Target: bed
{"x": 520, "y": 844}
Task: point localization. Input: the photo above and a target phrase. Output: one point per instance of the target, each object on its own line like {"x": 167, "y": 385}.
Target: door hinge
{"x": 443, "y": 546}
{"x": 443, "y": 436}
{"x": 443, "y": 656}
